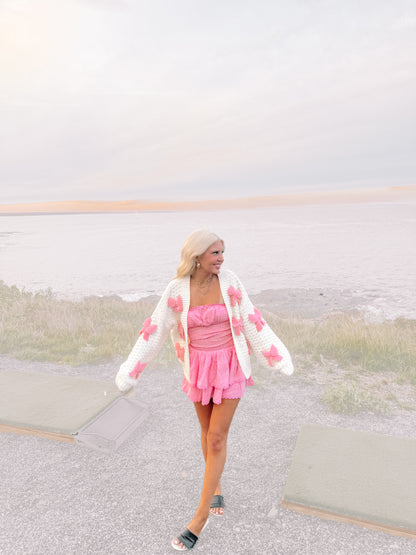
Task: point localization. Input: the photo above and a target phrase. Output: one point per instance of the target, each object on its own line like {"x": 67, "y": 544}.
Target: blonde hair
{"x": 195, "y": 244}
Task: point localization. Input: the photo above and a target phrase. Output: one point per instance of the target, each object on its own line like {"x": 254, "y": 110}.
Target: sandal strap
{"x": 188, "y": 539}
{"x": 217, "y": 501}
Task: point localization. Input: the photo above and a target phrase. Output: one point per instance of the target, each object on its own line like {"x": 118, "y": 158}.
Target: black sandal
{"x": 217, "y": 501}
{"x": 187, "y": 539}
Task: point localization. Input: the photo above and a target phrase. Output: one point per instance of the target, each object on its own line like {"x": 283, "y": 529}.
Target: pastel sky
{"x": 192, "y": 99}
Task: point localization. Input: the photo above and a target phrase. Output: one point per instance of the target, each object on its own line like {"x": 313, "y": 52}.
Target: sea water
{"x": 365, "y": 248}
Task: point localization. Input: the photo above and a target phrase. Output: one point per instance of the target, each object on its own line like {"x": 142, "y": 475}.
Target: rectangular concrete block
{"x": 52, "y": 402}
{"x": 107, "y": 431}
{"x": 357, "y": 477}
{"x": 67, "y": 409}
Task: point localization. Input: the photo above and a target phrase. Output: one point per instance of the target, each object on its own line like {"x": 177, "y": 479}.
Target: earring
{"x": 198, "y": 265}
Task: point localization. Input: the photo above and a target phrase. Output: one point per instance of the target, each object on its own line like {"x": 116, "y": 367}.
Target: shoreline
{"x": 312, "y": 303}
{"x": 379, "y": 194}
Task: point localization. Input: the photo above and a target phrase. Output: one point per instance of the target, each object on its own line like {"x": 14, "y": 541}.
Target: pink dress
{"x": 215, "y": 372}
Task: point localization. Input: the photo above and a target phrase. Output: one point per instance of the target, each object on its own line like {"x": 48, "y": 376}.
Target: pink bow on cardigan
{"x": 181, "y": 330}
{"x": 272, "y": 355}
{"x": 137, "y": 370}
{"x": 180, "y": 352}
{"x": 257, "y": 319}
{"x": 237, "y": 325}
{"x": 147, "y": 329}
{"x": 235, "y": 295}
{"x": 175, "y": 304}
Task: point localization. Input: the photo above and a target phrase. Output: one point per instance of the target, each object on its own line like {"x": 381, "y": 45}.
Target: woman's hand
{"x": 123, "y": 385}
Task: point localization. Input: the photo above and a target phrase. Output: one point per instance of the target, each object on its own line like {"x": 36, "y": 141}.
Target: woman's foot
{"x": 184, "y": 541}
{"x": 190, "y": 536}
{"x": 217, "y": 505}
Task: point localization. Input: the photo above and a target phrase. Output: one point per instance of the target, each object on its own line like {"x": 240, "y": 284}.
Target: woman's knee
{"x": 216, "y": 440}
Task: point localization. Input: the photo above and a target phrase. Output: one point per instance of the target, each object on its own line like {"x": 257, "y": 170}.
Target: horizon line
{"x": 379, "y": 194}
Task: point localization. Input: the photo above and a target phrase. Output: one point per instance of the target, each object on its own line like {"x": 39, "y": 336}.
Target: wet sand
{"x": 310, "y": 303}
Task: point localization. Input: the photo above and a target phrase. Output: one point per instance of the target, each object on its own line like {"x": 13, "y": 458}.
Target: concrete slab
{"x": 356, "y": 477}
{"x": 51, "y": 405}
{"x": 107, "y": 431}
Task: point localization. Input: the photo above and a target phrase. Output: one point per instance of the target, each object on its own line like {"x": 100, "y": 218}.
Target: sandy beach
{"x": 68, "y": 499}
{"x": 380, "y": 194}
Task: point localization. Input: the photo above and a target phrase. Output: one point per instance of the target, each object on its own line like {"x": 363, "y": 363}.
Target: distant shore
{"x": 381, "y": 194}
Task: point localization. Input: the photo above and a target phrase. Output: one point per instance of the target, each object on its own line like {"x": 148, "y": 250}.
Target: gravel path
{"x": 57, "y": 498}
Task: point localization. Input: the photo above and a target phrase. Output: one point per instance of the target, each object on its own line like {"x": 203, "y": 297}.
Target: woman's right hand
{"x": 122, "y": 384}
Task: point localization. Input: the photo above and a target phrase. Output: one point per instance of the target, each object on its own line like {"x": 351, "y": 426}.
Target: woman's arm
{"x": 151, "y": 338}
{"x": 263, "y": 342}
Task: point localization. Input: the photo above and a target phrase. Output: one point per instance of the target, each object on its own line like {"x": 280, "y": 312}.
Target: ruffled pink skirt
{"x": 215, "y": 372}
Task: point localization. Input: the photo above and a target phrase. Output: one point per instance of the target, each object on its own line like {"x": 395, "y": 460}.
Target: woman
{"x": 214, "y": 327}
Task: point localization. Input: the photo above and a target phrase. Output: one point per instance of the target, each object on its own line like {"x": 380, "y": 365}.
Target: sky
{"x": 191, "y": 99}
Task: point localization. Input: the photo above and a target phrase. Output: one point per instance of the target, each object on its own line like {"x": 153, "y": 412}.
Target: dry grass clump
{"x": 349, "y": 398}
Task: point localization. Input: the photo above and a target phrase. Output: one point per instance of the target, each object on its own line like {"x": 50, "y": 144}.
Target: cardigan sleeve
{"x": 262, "y": 341}
{"x": 151, "y": 339}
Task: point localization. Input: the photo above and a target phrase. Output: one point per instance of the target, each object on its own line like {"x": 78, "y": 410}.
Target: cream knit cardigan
{"x": 250, "y": 332}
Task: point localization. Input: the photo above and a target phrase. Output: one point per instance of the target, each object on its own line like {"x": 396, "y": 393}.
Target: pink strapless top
{"x": 209, "y": 327}
{"x": 214, "y": 370}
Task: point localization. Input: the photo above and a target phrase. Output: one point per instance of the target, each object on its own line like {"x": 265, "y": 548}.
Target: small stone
{"x": 273, "y": 512}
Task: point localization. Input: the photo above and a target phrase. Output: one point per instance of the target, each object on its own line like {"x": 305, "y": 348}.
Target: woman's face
{"x": 212, "y": 258}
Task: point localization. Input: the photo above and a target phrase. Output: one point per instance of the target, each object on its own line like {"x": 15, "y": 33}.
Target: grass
{"x": 359, "y": 363}
{"x": 349, "y": 398}
{"x": 41, "y": 327}
{"x": 354, "y": 343}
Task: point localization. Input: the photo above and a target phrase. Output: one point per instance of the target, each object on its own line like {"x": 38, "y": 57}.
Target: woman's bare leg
{"x": 216, "y": 451}
{"x": 204, "y": 415}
